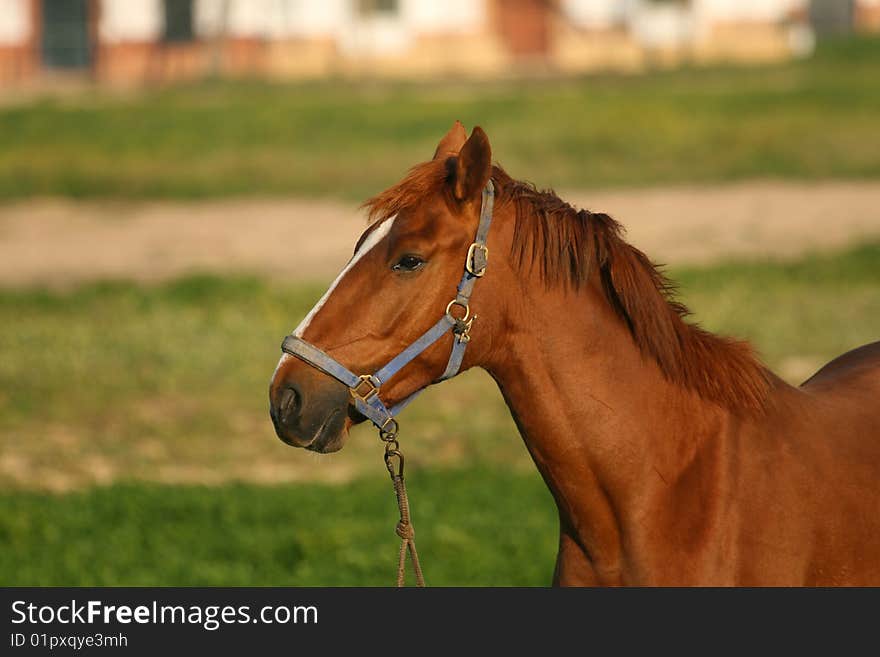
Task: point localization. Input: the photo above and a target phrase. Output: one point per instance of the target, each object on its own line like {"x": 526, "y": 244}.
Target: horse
{"x": 674, "y": 456}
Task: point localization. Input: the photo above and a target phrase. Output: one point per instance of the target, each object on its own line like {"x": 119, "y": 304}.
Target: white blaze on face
{"x": 372, "y": 240}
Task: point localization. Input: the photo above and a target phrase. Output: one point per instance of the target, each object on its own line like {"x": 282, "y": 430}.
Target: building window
{"x": 373, "y": 7}
{"x": 178, "y": 21}
{"x": 65, "y": 34}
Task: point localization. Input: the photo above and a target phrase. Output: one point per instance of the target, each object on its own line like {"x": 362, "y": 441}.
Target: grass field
{"x": 474, "y": 526}
{"x": 811, "y": 119}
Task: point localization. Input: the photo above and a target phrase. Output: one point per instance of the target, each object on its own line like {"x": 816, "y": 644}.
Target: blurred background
{"x": 180, "y": 180}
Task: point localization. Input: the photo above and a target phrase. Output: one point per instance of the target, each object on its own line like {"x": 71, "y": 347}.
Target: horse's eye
{"x": 408, "y": 262}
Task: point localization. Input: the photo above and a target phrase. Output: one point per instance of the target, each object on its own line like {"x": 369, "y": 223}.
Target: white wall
{"x": 662, "y": 25}
{"x": 130, "y": 20}
{"x": 746, "y": 10}
{"x": 393, "y": 33}
{"x": 444, "y": 16}
{"x": 306, "y": 18}
{"x": 595, "y": 14}
{"x": 707, "y": 12}
{"x": 335, "y": 19}
{"x": 253, "y": 18}
{"x": 14, "y": 22}
{"x": 382, "y": 33}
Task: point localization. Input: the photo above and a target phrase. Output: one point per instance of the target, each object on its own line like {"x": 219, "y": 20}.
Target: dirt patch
{"x": 62, "y": 242}
{"x": 59, "y": 242}
{"x": 700, "y": 225}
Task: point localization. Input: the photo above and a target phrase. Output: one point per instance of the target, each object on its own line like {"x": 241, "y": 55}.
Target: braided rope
{"x": 407, "y": 534}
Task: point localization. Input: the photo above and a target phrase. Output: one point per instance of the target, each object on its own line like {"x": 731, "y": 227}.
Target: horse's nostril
{"x": 289, "y": 404}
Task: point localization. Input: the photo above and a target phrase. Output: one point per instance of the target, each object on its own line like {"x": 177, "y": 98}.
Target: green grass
{"x": 474, "y": 527}
{"x": 169, "y": 382}
{"x": 808, "y": 310}
{"x": 804, "y": 120}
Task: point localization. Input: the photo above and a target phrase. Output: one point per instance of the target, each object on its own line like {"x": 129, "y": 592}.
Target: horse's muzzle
{"x": 309, "y": 412}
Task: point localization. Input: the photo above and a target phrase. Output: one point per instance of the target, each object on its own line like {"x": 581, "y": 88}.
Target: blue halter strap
{"x": 365, "y": 388}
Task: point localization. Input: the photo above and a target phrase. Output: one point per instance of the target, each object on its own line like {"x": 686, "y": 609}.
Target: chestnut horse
{"x": 673, "y": 455}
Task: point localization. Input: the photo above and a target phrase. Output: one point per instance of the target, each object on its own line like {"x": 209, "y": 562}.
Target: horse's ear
{"x": 451, "y": 143}
{"x": 473, "y": 167}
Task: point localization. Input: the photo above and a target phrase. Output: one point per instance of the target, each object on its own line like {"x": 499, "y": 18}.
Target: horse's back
{"x": 845, "y": 399}
{"x": 856, "y": 371}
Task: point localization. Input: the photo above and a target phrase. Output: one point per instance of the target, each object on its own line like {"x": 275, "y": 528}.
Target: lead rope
{"x": 406, "y": 531}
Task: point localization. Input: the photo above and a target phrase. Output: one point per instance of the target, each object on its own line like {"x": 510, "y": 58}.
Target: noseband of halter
{"x": 365, "y": 388}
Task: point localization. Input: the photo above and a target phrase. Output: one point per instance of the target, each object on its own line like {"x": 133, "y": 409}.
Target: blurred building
{"x": 133, "y": 41}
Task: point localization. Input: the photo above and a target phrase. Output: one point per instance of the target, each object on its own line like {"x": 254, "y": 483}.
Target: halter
{"x": 365, "y": 388}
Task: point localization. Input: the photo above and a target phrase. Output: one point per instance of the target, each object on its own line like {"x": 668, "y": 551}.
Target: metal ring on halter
{"x": 389, "y": 434}
{"x": 460, "y": 304}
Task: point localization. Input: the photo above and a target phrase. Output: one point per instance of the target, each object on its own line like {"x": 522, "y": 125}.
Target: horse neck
{"x": 604, "y": 427}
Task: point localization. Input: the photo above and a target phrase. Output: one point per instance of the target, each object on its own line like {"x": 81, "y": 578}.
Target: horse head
{"x": 399, "y": 283}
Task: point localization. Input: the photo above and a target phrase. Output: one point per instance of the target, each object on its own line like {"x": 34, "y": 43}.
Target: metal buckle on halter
{"x": 365, "y": 379}
{"x": 470, "y": 260}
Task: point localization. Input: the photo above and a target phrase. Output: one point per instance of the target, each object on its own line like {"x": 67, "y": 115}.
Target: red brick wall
{"x": 524, "y": 25}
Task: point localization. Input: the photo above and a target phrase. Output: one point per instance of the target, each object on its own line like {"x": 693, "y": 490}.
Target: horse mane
{"x": 569, "y": 246}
